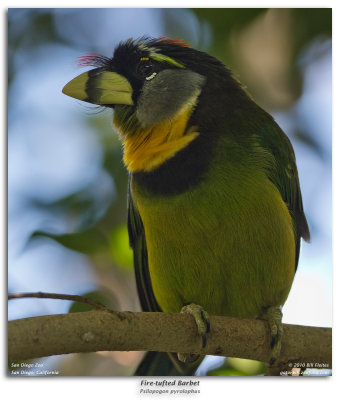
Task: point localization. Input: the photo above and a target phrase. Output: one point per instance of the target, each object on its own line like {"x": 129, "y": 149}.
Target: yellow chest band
{"x": 149, "y": 148}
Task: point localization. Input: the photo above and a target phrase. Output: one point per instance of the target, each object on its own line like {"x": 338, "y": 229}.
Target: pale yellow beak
{"x": 100, "y": 87}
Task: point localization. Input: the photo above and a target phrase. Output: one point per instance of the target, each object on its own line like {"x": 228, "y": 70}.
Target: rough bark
{"x": 124, "y": 331}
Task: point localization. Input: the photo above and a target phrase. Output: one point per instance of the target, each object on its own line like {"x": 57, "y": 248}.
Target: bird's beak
{"x": 100, "y": 87}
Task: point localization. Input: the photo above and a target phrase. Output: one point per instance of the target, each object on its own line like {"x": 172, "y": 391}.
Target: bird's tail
{"x": 164, "y": 364}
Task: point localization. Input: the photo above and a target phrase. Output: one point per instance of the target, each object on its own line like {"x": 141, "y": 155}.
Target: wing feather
{"x": 285, "y": 176}
{"x": 138, "y": 245}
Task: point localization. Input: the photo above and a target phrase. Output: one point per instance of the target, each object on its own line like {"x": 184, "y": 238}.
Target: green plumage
{"x": 232, "y": 231}
{"x": 219, "y": 222}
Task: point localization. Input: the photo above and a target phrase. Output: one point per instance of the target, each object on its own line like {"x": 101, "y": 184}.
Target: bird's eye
{"x": 145, "y": 69}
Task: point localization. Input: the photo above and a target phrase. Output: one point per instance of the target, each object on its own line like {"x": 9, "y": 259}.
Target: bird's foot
{"x": 203, "y": 327}
{"x": 273, "y": 315}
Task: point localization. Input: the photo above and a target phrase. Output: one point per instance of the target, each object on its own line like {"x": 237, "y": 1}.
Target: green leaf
{"x": 87, "y": 242}
{"x": 107, "y": 299}
{"x": 239, "y": 367}
{"x": 120, "y": 248}
{"x": 249, "y": 367}
{"x": 227, "y": 372}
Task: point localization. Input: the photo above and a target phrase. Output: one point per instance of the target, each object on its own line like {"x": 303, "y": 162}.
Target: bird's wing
{"x": 138, "y": 245}
{"x": 285, "y": 177}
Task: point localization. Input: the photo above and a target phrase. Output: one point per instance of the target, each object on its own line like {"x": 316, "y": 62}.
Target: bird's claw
{"x": 273, "y": 315}
{"x": 201, "y": 319}
{"x": 203, "y": 327}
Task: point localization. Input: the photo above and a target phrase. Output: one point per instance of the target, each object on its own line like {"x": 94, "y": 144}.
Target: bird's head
{"x": 154, "y": 85}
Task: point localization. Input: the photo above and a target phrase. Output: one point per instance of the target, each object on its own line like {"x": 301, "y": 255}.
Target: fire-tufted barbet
{"x": 215, "y": 214}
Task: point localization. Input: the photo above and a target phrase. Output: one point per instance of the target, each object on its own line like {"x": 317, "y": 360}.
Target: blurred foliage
{"x": 102, "y": 297}
{"x": 95, "y": 225}
{"x": 120, "y": 248}
{"x": 223, "y": 22}
{"x": 238, "y": 367}
{"x": 307, "y": 24}
{"x": 87, "y": 242}
{"x": 28, "y": 28}
{"x": 241, "y": 37}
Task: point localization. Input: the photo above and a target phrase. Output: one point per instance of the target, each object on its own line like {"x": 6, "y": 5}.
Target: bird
{"x": 215, "y": 212}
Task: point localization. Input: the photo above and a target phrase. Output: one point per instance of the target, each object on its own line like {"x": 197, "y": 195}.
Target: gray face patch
{"x": 166, "y": 94}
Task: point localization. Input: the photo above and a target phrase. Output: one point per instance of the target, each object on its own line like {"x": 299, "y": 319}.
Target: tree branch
{"x": 125, "y": 331}
{"x": 57, "y": 296}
